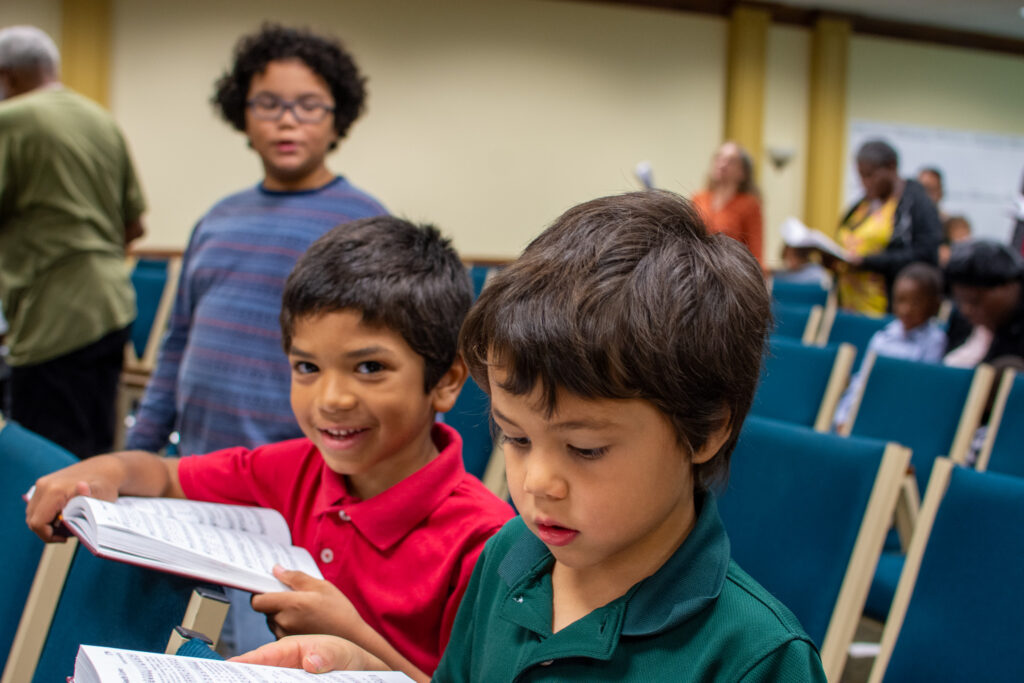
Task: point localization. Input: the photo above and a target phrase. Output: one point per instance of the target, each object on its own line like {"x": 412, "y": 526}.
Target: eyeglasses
{"x": 268, "y": 107}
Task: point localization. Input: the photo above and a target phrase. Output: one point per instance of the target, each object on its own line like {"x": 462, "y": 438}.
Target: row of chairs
{"x": 807, "y": 514}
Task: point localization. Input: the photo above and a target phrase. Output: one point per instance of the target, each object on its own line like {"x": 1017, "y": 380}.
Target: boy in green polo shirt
{"x": 621, "y": 352}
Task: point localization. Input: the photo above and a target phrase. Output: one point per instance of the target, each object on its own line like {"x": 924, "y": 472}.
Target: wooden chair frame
{"x": 938, "y": 483}
{"x": 995, "y": 419}
{"x": 867, "y": 549}
{"x": 813, "y": 323}
{"x": 837, "y": 381}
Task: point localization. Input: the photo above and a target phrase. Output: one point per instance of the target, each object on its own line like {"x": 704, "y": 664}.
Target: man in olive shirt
{"x": 69, "y": 203}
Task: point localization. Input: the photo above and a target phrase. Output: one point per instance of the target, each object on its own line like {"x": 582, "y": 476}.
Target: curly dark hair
{"x": 326, "y": 57}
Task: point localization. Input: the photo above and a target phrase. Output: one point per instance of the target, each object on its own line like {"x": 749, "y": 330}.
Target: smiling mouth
{"x": 343, "y": 433}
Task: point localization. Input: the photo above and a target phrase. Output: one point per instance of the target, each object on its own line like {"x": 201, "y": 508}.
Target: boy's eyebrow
{"x": 367, "y": 351}
{"x": 562, "y": 426}
{"x": 355, "y": 353}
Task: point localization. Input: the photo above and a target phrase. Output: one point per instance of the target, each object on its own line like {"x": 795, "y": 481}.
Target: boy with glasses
{"x": 220, "y": 379}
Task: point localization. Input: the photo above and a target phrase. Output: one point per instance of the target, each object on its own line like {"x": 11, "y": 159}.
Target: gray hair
{"x": 28, "y": 49}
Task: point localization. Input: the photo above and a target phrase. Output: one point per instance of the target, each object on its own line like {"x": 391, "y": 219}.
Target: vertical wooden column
{"x": 826, "y": 124}
{"x": 744, "y": 100}
{"x": 85, "y": 47}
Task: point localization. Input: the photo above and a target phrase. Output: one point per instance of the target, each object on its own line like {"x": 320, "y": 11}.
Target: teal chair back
{"x": 111, "y": 604}
{"x": 799, "y": 293}
{"x": 793, "y": 320}
{"x": 962, "y": 622}
{"x": 149, "y": 277}
{"x": 919, "y": 405}
{"x": 24, "y": 457}
{"x": 795, "y": 378}
{"x": 795, "y": 510}
{"x": 471, "y": 415}
{"x": 471, "y": 418}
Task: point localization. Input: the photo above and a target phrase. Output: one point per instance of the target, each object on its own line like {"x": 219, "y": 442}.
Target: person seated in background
{"x": 954, "y": 229}
{"x": 988, "y": 316}
{"x": 913, "y": 335}
{"x": 799, "y": 268}
{"x": 892, "y": 225}
{"x": 931, "y": 180}
{"x": 376, "y": 491}
{"x": 620, "y": 352}
{"x": 730, "y": 203}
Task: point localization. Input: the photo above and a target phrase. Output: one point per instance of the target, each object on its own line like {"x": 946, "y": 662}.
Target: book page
{"x": 796, "y": 234}
{"x": 110, "y": 665}
{"x": 253, "y": 520}
{"x": 191, "y": 549}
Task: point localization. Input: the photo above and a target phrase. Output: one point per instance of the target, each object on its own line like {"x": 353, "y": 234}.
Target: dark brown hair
{"x": 405, "y": 277}
{"x": 629, "y": 297}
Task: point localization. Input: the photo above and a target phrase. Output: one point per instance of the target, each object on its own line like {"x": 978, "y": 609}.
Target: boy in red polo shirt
{"x": 376, "y": 491}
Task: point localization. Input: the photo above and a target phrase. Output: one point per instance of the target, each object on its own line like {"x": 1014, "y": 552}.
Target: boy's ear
{"x": 715, "y": 441}
{"x": 447, "y": 389}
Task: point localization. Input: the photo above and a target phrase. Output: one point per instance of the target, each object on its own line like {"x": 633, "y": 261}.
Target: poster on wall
{"x": 982, "y": 172}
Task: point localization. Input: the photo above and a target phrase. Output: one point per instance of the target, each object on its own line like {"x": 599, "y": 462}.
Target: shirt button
{"x": 343, "y": 516}
{"x": 548, "y": 663}
{"x": 326, "y": 555}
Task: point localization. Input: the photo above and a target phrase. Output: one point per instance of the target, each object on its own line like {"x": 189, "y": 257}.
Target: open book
{"x": 796, "y": 234}
{"x": 231, "y": 545}
{"x": 109, "y": 665}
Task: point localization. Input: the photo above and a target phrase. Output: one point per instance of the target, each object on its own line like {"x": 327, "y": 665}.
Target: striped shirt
{"x": 221, "y": 378}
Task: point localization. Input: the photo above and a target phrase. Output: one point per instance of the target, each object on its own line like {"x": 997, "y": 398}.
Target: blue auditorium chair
{"x": 802, "y": 384}
{"x": 806, "y": 514}
{"x": 956, "y": 612}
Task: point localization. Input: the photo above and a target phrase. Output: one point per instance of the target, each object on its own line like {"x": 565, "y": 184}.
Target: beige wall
{"x": 45, "y": 14}
{"x": 785, "y": 127}
{"x": 488, "y": 118}
{"x": 931, "y": 85}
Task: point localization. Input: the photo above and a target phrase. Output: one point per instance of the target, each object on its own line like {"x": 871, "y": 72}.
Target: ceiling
{"x": 994, "y": 17}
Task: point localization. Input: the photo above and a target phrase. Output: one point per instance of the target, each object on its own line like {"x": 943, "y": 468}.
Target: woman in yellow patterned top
{"x": 894, "y": 224}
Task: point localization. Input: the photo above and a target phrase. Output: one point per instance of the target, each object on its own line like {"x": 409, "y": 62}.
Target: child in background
{"x": 620, "y": 352}
{"x": 220, "y": 379}
{"x": 913, "y": 335}
{"x": 954, "y": 229}
{"x": 798, "y": 267}
{"x": 376, "y": 491}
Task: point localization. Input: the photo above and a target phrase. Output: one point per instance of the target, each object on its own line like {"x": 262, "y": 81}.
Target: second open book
{"x": 230, "y": 545}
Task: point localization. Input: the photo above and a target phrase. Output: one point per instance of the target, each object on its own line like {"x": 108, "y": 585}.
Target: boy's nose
{"x": 336, "y": 397}
{"x": 542, "y": 479}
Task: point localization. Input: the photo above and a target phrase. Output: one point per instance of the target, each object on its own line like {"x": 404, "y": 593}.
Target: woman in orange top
{"x": 731, "y": 202}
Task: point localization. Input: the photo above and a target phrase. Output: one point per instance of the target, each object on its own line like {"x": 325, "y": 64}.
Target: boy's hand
{"x": 98, "y": 477}
{"x": 312, "y": 606}
{"x": 316, "y": 654}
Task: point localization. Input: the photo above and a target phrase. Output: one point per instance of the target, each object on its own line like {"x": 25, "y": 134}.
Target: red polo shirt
{"x": 403, "y": 557}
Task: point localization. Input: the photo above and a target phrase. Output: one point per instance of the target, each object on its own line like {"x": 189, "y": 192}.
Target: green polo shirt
{"x": 698, "y": 618}
{"x": 67, "y": 190}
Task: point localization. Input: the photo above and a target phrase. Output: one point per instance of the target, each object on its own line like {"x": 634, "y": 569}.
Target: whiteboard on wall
{"x": 982, "y": 172}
